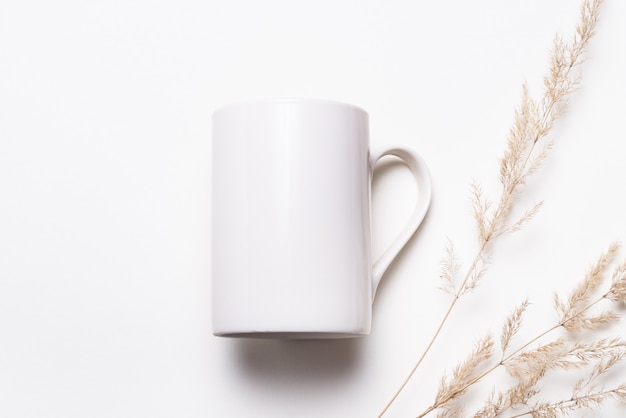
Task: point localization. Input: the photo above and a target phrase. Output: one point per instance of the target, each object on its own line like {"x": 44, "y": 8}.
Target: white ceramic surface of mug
{"x": 291, "y": 219}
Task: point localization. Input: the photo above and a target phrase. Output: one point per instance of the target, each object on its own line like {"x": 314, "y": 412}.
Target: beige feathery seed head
{"x": 512, "y": 325}
{"x": 450, "y": 268}
{"x": 617, "y": 293}
{"x": 463, "y": 374}
{"x": 593, "y": 323}
{"x": 573, "y": 311}
{"x": 504, "y": 400}
{"x": 591, "y": 400}
{"x": 477, "y": 273}
{"x": 525, "y": 218}
{"x": 533, "y": 121}
{"x": 585, "y": 353}
{"x": 480, "y": 207}
{"x": 537, "y": 361}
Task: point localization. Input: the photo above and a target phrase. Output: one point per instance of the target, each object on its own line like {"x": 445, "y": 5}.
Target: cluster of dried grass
{"x": 559, "y": 348}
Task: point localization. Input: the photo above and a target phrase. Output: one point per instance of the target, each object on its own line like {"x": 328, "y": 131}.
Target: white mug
{"x": 291, "y": 219}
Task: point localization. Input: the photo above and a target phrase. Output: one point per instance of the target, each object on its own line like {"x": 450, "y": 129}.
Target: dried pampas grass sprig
{"x": 554, "y": 350}
{"x": 533, "y": 360}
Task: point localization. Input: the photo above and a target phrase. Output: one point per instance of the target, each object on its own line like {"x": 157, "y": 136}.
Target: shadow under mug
{"x": 291, "y": 240}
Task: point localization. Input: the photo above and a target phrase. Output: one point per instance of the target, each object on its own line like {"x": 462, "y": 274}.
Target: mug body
{"x": 290, "y": 220}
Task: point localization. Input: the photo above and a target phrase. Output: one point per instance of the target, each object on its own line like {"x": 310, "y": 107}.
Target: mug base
{"x": 290, "y": 335}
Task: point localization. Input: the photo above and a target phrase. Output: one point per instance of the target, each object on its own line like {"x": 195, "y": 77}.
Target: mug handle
{"x": 422, "y": 176}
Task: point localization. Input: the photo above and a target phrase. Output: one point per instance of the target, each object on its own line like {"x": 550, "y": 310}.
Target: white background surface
{"x": 105, "y": 192}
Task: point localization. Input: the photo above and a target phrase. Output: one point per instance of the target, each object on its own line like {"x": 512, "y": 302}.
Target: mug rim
{"x": 268, "y": 101}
